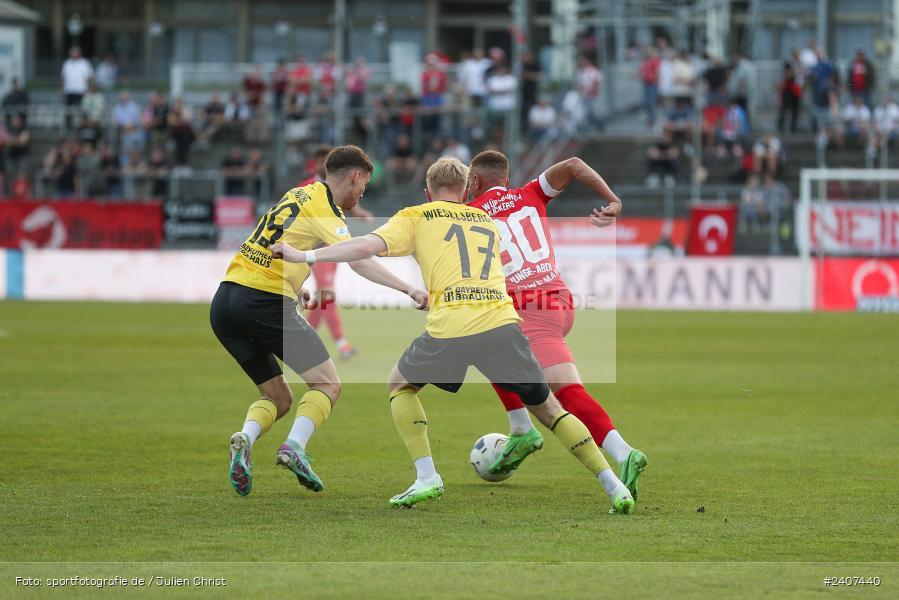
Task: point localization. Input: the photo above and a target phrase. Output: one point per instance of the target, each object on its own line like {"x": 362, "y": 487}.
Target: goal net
{"x": 847, "y": 233}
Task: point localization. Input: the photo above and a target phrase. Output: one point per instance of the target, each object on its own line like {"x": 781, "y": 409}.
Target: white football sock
{"x": 424, "y": 468}
{"x": 253, "y": 430}
{"x": 610, "y": 483}
{"x": 302, "y": 430}
{"x": 615, "y": 445}
{"x": 519, "y": 421}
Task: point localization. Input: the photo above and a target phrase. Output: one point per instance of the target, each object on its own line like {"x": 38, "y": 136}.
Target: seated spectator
{"x": 734, "y": 127}
{"x": 856, "y": 119}
{"x": 236, "y": 111}
{"x": 712, "y": 123}
{"x": 775, "y": 194}
{"x": 542, "y": 120}
{"x": 111, "y": 170}
{"x": 254, "y": 89}
{"x": 457, "y": 149}
{"x": 233, "y": 170}
{"x": 15, "y": 102}
{"x": 296, "y": 112}
{"x": 767, "y": 154}
{"x": 790, "y": 98}
{"x": 158, "y": 171}
{"x": 322, "y": 111}
{"x": 572, "y": 114}
{"x": 181, "y": 131}
{"x": 886, "y": 122}
{"x": 213, "y": 117}
{"x": 93, "y": 103}
{"x": 679, "y": 122}
{"x": 401, "y": 164}
{"x": 66, "y": 179}
{"x": 88, "y": 165}
{"x": 90, "y": 131}
{"x": 752, "y": 206}
{"x": 501, "y": 87}
{"x": 661, "y": 160}
{"x": 18, "y": 141}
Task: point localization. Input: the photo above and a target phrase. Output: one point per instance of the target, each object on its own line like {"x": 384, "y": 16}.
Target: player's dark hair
{"x": 491, "y": 163}
{"x": 343, "y": 158}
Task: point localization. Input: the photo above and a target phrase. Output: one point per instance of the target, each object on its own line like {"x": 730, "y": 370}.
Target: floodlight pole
{"x": 519, "y": 46}
{"x": 340, "y": 22}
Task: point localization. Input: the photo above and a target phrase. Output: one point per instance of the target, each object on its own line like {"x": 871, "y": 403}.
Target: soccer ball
{"x": 486, "y": 450}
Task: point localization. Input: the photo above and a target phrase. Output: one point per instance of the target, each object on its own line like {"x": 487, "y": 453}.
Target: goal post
{"x": 846, "y": 214}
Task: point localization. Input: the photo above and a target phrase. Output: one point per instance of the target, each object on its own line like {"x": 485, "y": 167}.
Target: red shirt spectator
{"x": 254, "y": 87}
{"x": 301, "y": 77}
{"x": 327, "y": 72}
{"x": 433, "y": 81}
{"x": 649, "y": 69}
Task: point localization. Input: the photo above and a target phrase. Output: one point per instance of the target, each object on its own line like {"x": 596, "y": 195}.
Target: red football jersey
{"x": 529, "y": 262}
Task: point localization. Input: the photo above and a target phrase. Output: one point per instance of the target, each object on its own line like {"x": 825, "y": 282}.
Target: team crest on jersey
{"x": 342, "y": 230}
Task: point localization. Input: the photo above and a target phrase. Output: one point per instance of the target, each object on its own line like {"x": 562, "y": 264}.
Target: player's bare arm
{"x": 563, "y": 173}
{"x": 358, "y": 252}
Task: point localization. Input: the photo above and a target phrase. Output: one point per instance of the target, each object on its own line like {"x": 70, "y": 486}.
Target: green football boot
{"x": 241, "y": 464}
{"x": 622, "y": 503}
{"x": 631, "y": 469}
{"x": 518, "y": 448}
{"x": 294, "y": 459}
{"x": 429, "y": 489}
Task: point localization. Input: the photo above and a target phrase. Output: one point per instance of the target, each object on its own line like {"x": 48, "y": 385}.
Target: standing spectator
{"x": 401, "y": 164}
{"x": 154, "y": 118}
{"x": 589, "y": 85}
{"x": 542, "y": 120}
{"x": 472, "y": 74}
{"x": 88, "y": 165}
{"x": 790, "y": 96}
{"x": 683, "y": 78}
{"x": 15, "y": 102}
{"x": 860, "y": 77}
{"x": 357, "y": 85}
{"x": 280, "y": 80}
{"x": 254, "y": 88}
{"x": 327, "y": 72}
{"x": 886, "y": 122}
{"x": 497, "y": 58}
{"x": 301, "y": 77}
{"x": 93, "y": 103}
{"x": 18, "y": 141}
{"x": 809, "y": 57}
{"x": 433, "y": 89}
{"x": 649, "y": 76}
{"x": 739, "y": 82}
{"x": 531, "y": 75}
{"x": 107, "y": 73}
{"x": 501, "y": 102}
{"x": 666, "y": 74}
{"x": 181, "y": 132}
{"x": 715, "y": 77}
{"x": 752, "y": 205}
{"x": 65, "y": 175}
{"x": 111, "y": 169}
{"x": 158, "y": 172}
{"x": 856, "y": 122}
{"x": 213, "y": 117}
{"x": 456, "y": 149}
{"x": 824, "y": 94}
{"x": 76, "y": 72}
{"x": 126, "y": 115}
{"x": 767, "y": 154}
{"x": 388, "y": 114}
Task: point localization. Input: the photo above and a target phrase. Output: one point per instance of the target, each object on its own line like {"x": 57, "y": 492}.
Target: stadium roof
{"x": 11, "y": 11}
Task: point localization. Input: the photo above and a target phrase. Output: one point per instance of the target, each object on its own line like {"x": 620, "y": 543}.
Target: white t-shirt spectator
{"x": 666, "y": 77}
{"x": 589, "y": 79}
{"x": 542, "y": 117}
{"x": 808, "y": 59}
{"x": 458, "y": 150}
{"x": 502, "y": 92}
{"x": 75, "y": 74}
{"x": 471, "y": 74}
{"x": 126, "y": 113}
{"x": 767, "y": 144}
{"x": 886, "y": 118}
{"x": 856, "y": 114}
{"x": 683, "y": 79}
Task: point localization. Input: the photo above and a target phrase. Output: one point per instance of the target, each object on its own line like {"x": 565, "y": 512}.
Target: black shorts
{"x": 503, "y": 355}
{"x": 256, "y": 326}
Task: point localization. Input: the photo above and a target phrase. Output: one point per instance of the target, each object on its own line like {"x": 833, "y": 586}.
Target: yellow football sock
{"x": 264, "y": 412}
{"x": 579, "y": 442}
{"x": 315, "y": 405}
{"x": 411, "y": 422}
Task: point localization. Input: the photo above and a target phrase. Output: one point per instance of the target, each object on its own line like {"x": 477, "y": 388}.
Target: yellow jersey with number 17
{"x": 306, "y": 218}
{"x": 457, "y": 249}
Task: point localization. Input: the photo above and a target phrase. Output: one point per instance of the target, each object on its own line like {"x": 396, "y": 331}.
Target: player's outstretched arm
{"x": 376, "y": 273}
{"x": 563, "y": 173}
{"x": 358, "y": 248}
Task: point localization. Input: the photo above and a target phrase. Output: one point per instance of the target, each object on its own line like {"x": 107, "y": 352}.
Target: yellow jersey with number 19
{"x": 457, "y": 249}
{"x": 306, "y": 218}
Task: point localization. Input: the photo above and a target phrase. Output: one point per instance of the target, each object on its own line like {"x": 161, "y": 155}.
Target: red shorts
{"x": 546, "y": 320}
{"x": 324, "y": 275}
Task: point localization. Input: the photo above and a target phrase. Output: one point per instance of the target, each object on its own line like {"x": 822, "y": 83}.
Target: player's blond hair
{"x": 447, "y": 172}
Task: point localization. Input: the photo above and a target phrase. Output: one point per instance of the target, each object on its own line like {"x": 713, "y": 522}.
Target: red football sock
{"x": 509, "y": 399}
{"x": 314, "y": 316}
{"x": 575, "y": 399}
{"x": 331, "y": 314}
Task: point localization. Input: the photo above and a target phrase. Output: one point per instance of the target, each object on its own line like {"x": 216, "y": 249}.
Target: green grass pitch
{"x": 773, "y": 443}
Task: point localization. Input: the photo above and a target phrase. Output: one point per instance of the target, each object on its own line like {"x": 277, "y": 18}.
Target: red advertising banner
{"x": 629, "y": 231}
{"x": 866, "y": 228}
{"x": 712, "y": 230}
{"x": 235, "y": 211}
{"x": 857, "y": 284}
{"x": 80, "y": 224}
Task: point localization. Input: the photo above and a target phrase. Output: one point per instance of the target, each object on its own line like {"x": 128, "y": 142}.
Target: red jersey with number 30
{"x": 529, "y": 262}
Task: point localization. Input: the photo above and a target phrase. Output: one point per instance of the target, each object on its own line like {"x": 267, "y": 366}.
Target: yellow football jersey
{"x": 306, "y": 218}
{"x": 457, "y": 249}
